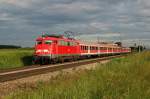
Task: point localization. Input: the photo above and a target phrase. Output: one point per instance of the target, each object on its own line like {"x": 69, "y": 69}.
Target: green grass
{"x": 125, "y": 78}
{"x": 11, "y": 58}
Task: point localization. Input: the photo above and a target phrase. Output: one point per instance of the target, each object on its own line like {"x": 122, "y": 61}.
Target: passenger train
{"x": 57, "y": 48}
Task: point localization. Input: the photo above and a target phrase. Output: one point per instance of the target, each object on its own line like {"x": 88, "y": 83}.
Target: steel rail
{"x": 36, "y": 70}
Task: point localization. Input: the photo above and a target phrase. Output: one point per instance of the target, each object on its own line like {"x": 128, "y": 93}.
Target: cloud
{"x": 26, "y": 19}
{"x": 22, "y": 3}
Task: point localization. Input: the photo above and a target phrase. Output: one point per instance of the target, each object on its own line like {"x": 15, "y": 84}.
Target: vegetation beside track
{"x": 122, "y": 78}
{"x": 11, "y": 58}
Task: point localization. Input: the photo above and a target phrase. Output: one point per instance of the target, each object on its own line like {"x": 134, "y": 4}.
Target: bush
{"x": 10, "y": 58}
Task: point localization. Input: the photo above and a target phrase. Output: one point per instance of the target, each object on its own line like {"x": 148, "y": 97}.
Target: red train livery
{"x": 53, "y": 48}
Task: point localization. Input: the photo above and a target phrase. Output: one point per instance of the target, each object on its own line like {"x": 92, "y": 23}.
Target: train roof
{"x": 55, "y": 37}
{"x": 101, "y": 44}
{"x": 84, "y": 43}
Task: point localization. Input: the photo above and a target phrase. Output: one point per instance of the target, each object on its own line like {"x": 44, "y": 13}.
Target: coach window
{"x": 86, "y": 47}
{"x": 103, "y": 48}
{"x": 64, "y": 43}
{"x": 68, "y": 43}
{"x": 75, "y": 44}
{"x": 81, "y": 47}
{"x": 100, "y": 48}
{"x": 72, "y": 44}
{"x": 96, "y": 48}
{"x": 60, "y": 42}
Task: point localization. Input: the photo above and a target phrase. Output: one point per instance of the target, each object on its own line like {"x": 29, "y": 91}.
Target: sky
{"x": 21, "y": 21}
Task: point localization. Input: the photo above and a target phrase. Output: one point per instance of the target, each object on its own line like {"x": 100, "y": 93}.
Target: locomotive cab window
{"x": 38, "y": 42}
{"x": 48, "y": 42}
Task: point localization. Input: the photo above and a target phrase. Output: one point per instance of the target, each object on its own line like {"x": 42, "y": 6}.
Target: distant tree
{"x": 9, "y": 46}
{"x": 135, "y": 44}
{"x": 119, "y": 43}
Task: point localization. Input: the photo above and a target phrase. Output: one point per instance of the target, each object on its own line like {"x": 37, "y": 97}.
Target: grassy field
{"x": 125, "y": 78}
{"x": 10, "y": 58}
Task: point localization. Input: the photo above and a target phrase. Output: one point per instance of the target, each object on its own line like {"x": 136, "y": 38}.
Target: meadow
{"x": 122, "y": 78}
{"x": 12, "y": 58}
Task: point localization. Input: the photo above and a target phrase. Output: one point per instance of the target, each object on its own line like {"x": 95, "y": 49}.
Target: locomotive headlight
{"x": 45, "y": 50}
{"x": 38, "y": 51}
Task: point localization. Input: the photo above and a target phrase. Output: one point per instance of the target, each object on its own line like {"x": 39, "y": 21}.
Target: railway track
{"x": 8, "y": 75}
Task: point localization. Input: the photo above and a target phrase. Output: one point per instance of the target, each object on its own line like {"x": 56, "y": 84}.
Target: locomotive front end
{"x": 43, "y": 51}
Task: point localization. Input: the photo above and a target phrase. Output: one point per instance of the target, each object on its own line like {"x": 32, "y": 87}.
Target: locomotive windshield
{"x": 48, "y": 42}
{"x": 39, "y": 42}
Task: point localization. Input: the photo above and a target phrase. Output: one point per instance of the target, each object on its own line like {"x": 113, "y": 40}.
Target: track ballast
{"x": 14, "y": 74}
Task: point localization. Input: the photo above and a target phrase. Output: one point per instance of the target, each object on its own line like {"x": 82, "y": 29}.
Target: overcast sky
{"x": 21, "y": 21}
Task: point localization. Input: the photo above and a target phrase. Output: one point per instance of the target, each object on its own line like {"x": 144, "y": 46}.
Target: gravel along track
{"x": 9, "y": 87}
{"x": 35, "y": 70}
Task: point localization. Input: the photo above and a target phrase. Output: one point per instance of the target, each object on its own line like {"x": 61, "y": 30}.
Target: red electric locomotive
{"x": 53, "y": 48}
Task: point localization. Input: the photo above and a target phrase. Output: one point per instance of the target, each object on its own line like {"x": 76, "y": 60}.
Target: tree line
{"x": 9, "y": 46}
